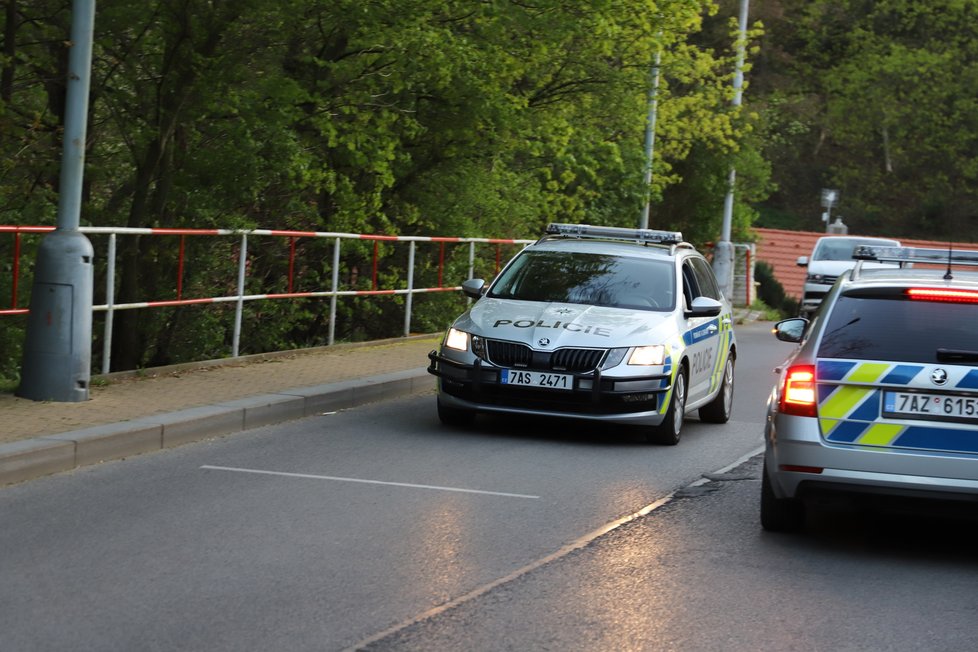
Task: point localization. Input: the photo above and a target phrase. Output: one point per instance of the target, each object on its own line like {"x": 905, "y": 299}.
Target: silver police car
{"x": 609, "y": 324}
{"x": 878, "y": 406}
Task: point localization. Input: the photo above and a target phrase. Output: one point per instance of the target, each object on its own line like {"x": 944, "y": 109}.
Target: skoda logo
{"x": 938, "y": 376}
{"x": 544, "y": 341}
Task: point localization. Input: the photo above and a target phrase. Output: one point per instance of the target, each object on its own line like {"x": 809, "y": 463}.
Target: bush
{"x": 771, "y": 292}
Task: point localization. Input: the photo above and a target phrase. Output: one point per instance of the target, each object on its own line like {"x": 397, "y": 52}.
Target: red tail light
{"x": 946, "y": 296}
{"x": 798, "y": 391}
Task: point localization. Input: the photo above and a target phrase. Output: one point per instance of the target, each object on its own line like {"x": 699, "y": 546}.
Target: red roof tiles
{"x": 781, "y": 248}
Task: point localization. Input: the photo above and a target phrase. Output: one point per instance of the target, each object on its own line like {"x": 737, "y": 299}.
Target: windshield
{"x": 588, "y": 278}
{"x": 898, "y": 330}
{"x": 841, "y": 248}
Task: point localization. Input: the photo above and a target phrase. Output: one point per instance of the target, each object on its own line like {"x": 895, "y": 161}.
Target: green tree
{"x": 407, "y": 117}
{"x": 877, "y": 99}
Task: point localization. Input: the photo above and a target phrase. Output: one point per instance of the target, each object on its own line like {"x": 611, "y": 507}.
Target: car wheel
{"x": 718, "y": 410}
{"x": 779, "y": 514}
{"x": 455, "y": 416}
{"x": 669, "y": 431}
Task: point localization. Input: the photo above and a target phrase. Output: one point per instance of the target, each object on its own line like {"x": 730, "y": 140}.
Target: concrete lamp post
{"x": 56, "y": 364}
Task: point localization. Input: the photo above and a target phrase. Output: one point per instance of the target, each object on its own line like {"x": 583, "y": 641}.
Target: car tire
{"x": 669, "y": 431}
{"x": 457, "y": 417}
{"x": 718, "y": 410}
{"x": 779, "y": 514}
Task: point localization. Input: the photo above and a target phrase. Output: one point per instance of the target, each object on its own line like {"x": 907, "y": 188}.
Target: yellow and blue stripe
{"x": 850, "y": 408}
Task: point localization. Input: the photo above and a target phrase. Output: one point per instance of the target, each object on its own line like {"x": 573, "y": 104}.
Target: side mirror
{"x": 704, "y": 307}
{"x": 802, "y": 261}
{"x": 790, "y": 330}
{"x": 473, "y": 287}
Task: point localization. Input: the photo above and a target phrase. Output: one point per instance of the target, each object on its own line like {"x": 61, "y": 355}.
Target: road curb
{"x": 33, "y": 458}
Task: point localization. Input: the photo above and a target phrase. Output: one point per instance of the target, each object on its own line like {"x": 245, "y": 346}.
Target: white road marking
{"x": 543, "y": 561}
{"x": 309, "y": 476}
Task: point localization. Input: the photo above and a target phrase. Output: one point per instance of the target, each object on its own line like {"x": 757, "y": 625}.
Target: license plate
{"x": 933, "y": 406}
{"x": 537, "y": 379}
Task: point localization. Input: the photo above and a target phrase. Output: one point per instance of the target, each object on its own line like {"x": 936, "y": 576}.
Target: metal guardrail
{"x": 333, "y": 293}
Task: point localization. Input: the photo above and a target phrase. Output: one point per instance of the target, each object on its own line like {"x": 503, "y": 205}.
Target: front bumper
{"x": 813, "y": 295}
{"x": 634, "y": 400}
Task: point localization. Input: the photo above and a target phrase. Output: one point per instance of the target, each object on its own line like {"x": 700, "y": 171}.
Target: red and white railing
{"x": 333, "y": 293}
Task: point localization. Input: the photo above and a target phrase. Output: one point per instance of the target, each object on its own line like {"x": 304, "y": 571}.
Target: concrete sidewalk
{"x": 131, "y": 413}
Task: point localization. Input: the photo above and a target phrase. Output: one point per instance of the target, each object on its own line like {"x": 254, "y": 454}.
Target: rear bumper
{"x": 801, "y": 464}
{"x": 633, "y": 400}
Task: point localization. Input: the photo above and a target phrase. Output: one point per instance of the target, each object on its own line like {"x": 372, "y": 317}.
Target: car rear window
{"x": 897, "y": 329}
{"x": 588, "y": 278}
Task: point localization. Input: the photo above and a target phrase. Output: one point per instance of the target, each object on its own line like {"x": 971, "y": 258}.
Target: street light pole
{"x": 650, "y": 137}
{"x": 829, "y": 197}
{"x": 723, "y": 252}
{"x": 56, "y": 364}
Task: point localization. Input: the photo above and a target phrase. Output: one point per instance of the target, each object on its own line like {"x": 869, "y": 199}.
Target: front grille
{"x": 577, "y": 360}
{"x": 508, "y": 354}
{"x": 822, "y": 279}
{"x": 520, "y": 356}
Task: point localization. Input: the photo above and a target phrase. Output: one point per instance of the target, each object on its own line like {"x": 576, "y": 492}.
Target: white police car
{"x": 603, "y": 323}
{"x": 878, "y": 406}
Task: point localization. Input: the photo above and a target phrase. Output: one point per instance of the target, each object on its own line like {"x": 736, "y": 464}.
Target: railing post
{"x": 242, "y": 259}
{"x": 180, "y": 259}
{"x": 109, "y": 306}
{"x": 468, "y": 300}
{"x": 13, "y": 292}
{"x": 410, "y": 290}
{"x": 336, "y": 288}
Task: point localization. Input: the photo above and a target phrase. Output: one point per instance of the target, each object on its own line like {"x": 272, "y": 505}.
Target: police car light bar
{"x": 615, "y": 233}
{"x": 915, "y": 255}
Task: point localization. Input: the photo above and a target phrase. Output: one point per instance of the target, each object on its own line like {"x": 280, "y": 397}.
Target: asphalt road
{"x": 377, "y": 527}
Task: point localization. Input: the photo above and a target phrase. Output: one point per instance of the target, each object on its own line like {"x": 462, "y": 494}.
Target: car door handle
{"x": 726, "y": 321}
{"x": 712, "y": 328}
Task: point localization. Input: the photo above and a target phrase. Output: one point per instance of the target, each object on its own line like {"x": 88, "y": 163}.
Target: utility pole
{"x": 643, "y": 222}
{"x": 56, "y": 364}
{"x": 723, "y": 252}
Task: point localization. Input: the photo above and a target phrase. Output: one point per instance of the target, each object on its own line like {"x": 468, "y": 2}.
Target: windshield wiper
{"x": 956, "y": 355}
{"x": 845, "y": 325}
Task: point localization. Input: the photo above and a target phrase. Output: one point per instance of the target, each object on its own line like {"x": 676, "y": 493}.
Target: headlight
{"x": 648, "y": 355}
{"x": 614, "y": 358}
{"x": 456, "y": 339}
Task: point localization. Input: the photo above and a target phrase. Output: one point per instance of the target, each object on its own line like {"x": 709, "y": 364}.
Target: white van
{"x": 831, "y": 256}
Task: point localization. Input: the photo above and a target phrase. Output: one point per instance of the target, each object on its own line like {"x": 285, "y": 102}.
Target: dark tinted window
{"x": 897, "y": 329}
{"x": 593, "y": 279}
{"x": 705, "y": 278}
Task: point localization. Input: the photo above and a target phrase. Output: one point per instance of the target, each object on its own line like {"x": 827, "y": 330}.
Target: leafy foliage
{"x": 877, "y": 99}
{"x": 432, "y": 117}
{"x": 771, "y": 292}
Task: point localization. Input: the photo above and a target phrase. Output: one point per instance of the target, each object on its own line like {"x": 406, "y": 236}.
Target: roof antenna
{"x": 947, "y": 274}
